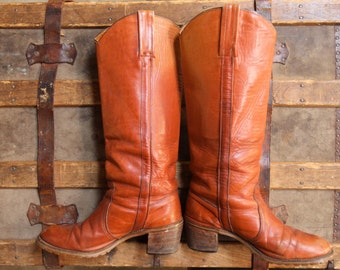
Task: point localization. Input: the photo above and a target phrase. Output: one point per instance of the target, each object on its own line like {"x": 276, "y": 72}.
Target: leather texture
{"x": 226, "y": 58}
{"x": 141, "y": 119}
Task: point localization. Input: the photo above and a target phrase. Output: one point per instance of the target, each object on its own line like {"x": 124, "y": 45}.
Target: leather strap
{"x": 49, "y": 55}
{"x": 46, "y": 120}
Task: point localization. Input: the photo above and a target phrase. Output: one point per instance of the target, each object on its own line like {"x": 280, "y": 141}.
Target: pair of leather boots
{"x": 226, "y": 57}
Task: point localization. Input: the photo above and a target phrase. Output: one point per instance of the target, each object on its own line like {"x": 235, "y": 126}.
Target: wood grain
{"x": 132, "y": 253}
{"x": 296, "y": 93}
{"x": 103, "y": 14}
{"x": 305, "y": 11}
{"x": 91, "y": 174}
{"x": 308, "y": 175}
{"x": 67, "y": 174}
{"x": 67, "y": 93}
{"x": 306, "y": 93}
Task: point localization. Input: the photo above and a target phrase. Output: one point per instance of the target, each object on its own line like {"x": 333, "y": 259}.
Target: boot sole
{"x": 206, "y": 240}
{"x": 161, "y": 241}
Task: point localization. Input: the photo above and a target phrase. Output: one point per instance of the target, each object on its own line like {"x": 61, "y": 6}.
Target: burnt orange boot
{"x": 227, "y": 57}
{"x": 141, "y": 118}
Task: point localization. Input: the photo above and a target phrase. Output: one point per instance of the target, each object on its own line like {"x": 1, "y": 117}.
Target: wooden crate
{"x": 305, "y": 148}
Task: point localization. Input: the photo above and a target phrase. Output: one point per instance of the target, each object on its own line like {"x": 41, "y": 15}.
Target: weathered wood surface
{"x": 67, "y": 93}
{"x": 132, "y": 254}
{"x": 284, "y": 175}
{"x": 305, "y": 11}
{"x": 311, "y": 53}
{"x": 89, "y": 14}
{"x": 303, "y": 134}
{"x": 306, "y": 93}
{"x": 102, "y": 14}
{"x": 67, "y": 174}
{"x": 86, "y": 93}
{"x": 308, "y": 175}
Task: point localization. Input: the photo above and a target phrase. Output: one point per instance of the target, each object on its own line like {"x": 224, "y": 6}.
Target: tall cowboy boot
{"x": 141, "y": 119}
{"x": 226, "y": 57}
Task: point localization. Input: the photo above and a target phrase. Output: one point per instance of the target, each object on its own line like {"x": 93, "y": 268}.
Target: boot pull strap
{"x": 146, "y": 31}
{"x": 229, "y": 25}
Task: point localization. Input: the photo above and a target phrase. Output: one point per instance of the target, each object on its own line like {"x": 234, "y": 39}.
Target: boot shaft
{"x": 226, "y": 60}
{"x": 140, "y": 98}
{"x": 141, "y": 118}
{"x": 226, "y": 57}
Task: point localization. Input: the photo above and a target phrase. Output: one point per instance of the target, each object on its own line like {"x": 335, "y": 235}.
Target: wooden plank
{"x": 15, "y": 174}
{"x": 103, "y": 14}
{"x": 132, "y": 253}
{"x": 308, "y": 175}
{"x": 66, "y": 174}
{"x": 80, "y": 174}
{"x": 127, "y": 254}
{"x": 301, "y": 93}
{"x": 67, "y": 93}
{"x": 87, "y": 174}
{"x": 305, "y": 11}
{"x": 306, "y": 93}
{"x": 19, "y": 252}
{"x": 25, "y": 253}
{"x": 229, "y": 255}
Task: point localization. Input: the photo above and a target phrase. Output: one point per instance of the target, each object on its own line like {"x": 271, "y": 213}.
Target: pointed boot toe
{"x": 55, "y": 237}
{"x": 312, "y": 247}
{"x": 293, "y": 247}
